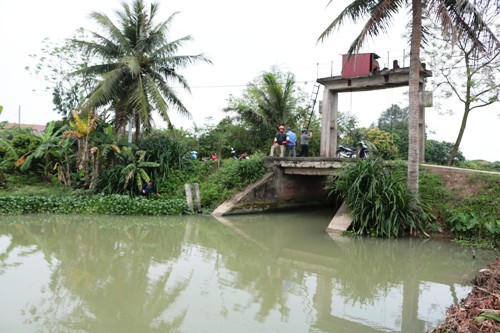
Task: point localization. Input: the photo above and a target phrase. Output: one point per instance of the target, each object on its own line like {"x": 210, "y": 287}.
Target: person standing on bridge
{"x": 304, "y": 142}
{"x": 291, "y": 142}
{"x": 279, "y": 141}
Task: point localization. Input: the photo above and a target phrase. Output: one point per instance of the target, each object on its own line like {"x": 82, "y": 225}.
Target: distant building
{"x": 35, "y": 129}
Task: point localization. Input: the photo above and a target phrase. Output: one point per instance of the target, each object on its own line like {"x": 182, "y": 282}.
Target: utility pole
{"x": 19, "y": 116}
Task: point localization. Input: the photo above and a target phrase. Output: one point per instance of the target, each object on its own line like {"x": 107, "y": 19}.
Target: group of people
{"x": 286, "y": 142}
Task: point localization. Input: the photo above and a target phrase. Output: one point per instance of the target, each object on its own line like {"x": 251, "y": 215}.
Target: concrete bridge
{"x": 288, "y": 183}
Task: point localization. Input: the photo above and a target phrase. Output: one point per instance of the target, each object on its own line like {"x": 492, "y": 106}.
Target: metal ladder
{"x": 312, "y": 102}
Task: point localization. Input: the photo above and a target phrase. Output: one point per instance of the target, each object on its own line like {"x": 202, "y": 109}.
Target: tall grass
{"x": 378, "y": 200}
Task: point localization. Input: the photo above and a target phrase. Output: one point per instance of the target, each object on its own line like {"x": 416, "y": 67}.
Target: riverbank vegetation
{"x": 378, "y": 200}
{"x": 465, "y": 206}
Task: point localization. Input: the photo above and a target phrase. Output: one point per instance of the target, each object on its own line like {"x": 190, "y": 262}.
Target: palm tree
{"x": 275, "y": 98}
{"x": 458, "y": 18}
{"x": 137, "y": 63}
{"x": 270, "y": 100}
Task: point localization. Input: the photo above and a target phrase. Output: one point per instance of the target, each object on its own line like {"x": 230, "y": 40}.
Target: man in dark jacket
{"x": 279, "y": 141}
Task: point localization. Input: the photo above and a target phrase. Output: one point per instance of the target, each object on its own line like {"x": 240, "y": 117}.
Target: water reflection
{"x": 273, "y": 273}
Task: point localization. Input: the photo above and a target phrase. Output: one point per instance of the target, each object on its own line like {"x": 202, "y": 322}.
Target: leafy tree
{"x": 348, "y": 131}
{"x": 268, "y": 100}
{"x": 135, "y": 64}
{"x": 460, "y": 19}
{"x": 394, "y": 120}
{"x": 166, "y": 151}
{"x": 382, "y": 141}
{"x": 55, "y": 63}
{"x": 438, "y": 152}
{"x": 473, "y": 77}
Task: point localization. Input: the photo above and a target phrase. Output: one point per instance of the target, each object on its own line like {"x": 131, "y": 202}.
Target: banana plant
{"x": 135, "y": 170}
{"x": 47, "y": 146}
{"x": 82, "y": 128}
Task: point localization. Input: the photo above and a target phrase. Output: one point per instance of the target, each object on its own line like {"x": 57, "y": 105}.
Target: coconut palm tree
{"x": 457, "y": 18}
{"x": 136, "y": 63}
{"x": 275, "y": 98}
{"x": 268, "y": 101}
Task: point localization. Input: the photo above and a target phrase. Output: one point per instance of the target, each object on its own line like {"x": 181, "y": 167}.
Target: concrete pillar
{"x": 189, "y": 196}
{"x": 197, "y": 197}
{"x": 330, "y": 106}
{"x": 421, "y": 124}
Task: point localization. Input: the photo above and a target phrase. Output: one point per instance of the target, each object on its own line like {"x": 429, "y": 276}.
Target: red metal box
{"x": 361, "y": 64}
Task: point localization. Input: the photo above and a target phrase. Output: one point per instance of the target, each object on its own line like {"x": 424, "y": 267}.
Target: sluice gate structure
{"x": 301, "y": 182}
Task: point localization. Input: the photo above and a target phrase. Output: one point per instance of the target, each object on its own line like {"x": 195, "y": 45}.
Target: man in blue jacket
{"x": 291, "y": 142}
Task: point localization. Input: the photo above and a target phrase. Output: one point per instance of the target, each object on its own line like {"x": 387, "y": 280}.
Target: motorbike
{"x": 363, "y": 150}
{"x": 240, "y": 157}
{"x": 346, "y": 152}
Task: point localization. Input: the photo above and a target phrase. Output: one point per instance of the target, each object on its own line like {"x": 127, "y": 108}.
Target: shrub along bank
{"x": 97, "y": 204}
{"x": 467, "y": 208}
{"x": 218, "y": 181}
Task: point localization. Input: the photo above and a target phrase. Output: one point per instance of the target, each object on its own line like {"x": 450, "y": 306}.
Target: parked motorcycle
{"x": 235, "y": 156}
{"x": 346, "y": 152}
{"x": 363, "y": 150}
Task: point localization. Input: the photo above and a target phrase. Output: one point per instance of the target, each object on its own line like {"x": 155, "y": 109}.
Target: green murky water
{"x": 254, "y": 273}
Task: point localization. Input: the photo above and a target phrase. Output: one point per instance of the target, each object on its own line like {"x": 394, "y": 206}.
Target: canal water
{"x": 255, "y": 273}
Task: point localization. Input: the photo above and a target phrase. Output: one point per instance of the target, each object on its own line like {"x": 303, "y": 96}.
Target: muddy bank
{"x": 484, "y": 299}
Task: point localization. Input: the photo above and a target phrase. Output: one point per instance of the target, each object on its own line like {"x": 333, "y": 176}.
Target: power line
{"x": 238, "y": 85}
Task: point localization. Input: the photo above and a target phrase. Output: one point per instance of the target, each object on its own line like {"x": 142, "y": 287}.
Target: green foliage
{"x": 472, "y": 219}
{"x": 44, "y": 152}
{"x": 54, "y": 63}
{"x": 14, "y": 142}
{"x": 394, "y": 120}
{"x": 100, "y": 204}
{"x": 348, "y": 132}
{"x": 438, "y": 152}
{"x": 378, "y": 201}
{"x": 231, "y": 176}
{"x": 488, "y": 315}
{"x": 165, "y": 151}
{"x": 479, "y": 230}
{"x": 385, "y": 147}
{"x": 3, "y": 180}
{"x": 480, "y": 165}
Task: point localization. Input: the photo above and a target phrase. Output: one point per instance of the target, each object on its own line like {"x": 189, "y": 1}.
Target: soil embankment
{"x": 471, "y": 314}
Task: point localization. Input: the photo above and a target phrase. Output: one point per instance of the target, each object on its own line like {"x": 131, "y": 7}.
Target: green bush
{"x": 378, "y": 201}
{"x": 99, "y": 204}
{"x": 473, "y": 219}
{"x": 232, "y": 175}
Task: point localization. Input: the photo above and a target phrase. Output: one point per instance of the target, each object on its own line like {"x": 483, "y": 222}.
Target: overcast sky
{"x": 243, "y": 39}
